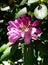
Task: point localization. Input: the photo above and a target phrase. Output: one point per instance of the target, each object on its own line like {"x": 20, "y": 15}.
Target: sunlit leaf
{"x": 32, "y": 1}
{"x": 3, "y": 47}
{"x": 21, "y": 12}
{"x": 8, "y": 52}
{"x": 23, "y": 2}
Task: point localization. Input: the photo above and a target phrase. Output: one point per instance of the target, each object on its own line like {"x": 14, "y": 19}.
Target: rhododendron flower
{"x": 23, "y": 27}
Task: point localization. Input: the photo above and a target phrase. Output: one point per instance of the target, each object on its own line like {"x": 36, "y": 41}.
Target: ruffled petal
{"x": 13, "y": 35}
{"x": 14, "y": 24}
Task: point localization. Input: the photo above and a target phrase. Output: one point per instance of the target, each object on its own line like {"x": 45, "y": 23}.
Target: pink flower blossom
{"x": 23, "y": 27}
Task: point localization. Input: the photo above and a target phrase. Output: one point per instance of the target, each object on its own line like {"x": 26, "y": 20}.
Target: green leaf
{"x": 45, "y": 61}
{"x": 3, "y": 47}
{"x": 42, "y": 47}
{"x": 23, "y": 2}
{"x": 32, "y": 1}
{"x": 29, "y": 58}
{"x": 8, "y": 52}
{"x": 21, "y": 12}
{"x": 46, "y": 1}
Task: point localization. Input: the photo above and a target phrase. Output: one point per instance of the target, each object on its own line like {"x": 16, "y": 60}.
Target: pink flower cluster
{"x": 23, "y": 27}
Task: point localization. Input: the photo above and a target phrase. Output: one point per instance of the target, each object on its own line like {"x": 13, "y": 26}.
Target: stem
{"x": 29, "y": 58}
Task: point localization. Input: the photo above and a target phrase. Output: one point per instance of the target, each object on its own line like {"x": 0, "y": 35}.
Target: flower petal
{"x": 14, "y": 24}
{"x": 33, "y": 30}
{"x": 36, "y": 23}
{"x": 22, "y": 34}
{"x": 27, "y": 40}
{"x": 38, "y": 30}
{"x": 13, "y": 35}
{"x": 34, "y": 36}
{"x": 26, "y": 20}
{"x": 27, "y": 37}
